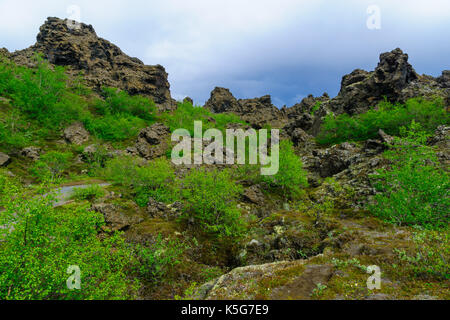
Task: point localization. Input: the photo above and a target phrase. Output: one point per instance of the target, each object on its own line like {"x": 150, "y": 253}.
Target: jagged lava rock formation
{"x": 394, "y": 79}
{"x": 257, "y": 112}
{"x": 103, "y": 63}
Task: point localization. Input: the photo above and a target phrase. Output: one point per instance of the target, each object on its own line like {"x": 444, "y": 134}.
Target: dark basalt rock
{"x": 4, "y": 159}
{"x": 152, "y": 141}
{"x": 103, "y": 63}
{"x": 361, "y": 90}
{"x": 257, "y": 112}
{"x": 76, "y": 134}
{"x": 32, "y": 153}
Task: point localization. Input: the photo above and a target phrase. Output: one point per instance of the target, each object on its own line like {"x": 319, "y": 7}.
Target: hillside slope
{"x": 363, "y": 181}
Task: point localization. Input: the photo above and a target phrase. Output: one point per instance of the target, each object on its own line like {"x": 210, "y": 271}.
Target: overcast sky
{"x": 285, "y": 48}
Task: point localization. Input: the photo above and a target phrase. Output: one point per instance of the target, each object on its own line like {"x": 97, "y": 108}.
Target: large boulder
{"x": 103, "y": 63}
{"x": 115, "y": 219}
{"x": 76, "y": 134}
{"x": 152, "y": 142}
{"x": 243, "y": 283}
{"x": 254, "y": 195}
{"x": 331, "y": 161}
{"x": 32, "y": 153}
{"x": 4, "y": 159}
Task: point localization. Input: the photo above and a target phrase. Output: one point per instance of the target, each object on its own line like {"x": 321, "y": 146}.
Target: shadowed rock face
{"x": 103, "y": 63}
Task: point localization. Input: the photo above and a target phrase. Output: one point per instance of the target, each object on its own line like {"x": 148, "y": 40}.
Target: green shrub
{"x": 414, "y": 189}
{"x": 51, "y": 165}
{"x": 96, "y": 160}
{"x": 115, "y": 127}
{"x": 39, "y": 243}
{"x": 154, "y": 179}
{"x": 390, "y": 118}
{"x": 89, "y": 193}
{"x": 41, "y": 93}
{"x": 430, "y": 257}
{"x": 120, "y": 102}
{"x": 14, "y": 132}
{"x": 158, "y": 259}
{"x": 291, "y": 177}
{"x": 210, "y": 202}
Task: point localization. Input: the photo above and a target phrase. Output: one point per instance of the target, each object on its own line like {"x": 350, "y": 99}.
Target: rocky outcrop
{"x": 32, "y": 153}
{"x": 222, "y": 100}
{"x": 103, "y": 63}
{"x": 76, "y": 134}
{"x": 335, "y": 159}
{"x": 444, "y": 79}
{"x": 152, "y": 142}
{"x": 254, "y": 195}
{"x": 257, "y": 112}
{"x": 393, "y": 79}
{"x": 260, "y": 111}
{"x": 441, "y": 137}
{"x": 115, "y": 219}
{"x": 361, "y": 90}
{"x": 303, "y": 286}
{"x": 4, "y": 159}
{"x": 306, "y": 106}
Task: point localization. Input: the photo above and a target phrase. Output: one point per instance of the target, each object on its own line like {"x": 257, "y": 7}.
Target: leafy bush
{"x": 429, "y": 258}
{"x": 120, "y": 102}
{"x": 157, "y": 259}
{"x": 121, "y": 115}
{"x": 414, "y": 189}
{"x": 210, "y": 202}
{"x": 152, "y": 180}
{"x": 14, "y": 132}
{"x": 89, "y": 193}
{"x": 115, "y": 127}
{"x": 51, "y": 165}
{"x": 291, "y": 176}
{"x": 39, "y": 243}
{"x": 41, "y": 92}
{"x": 388, "y": 117}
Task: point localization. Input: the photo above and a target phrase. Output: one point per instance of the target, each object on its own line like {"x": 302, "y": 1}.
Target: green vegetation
{"x": 210, "y": 202}
{"x": 121, "y": 115}
{"x": 41, "y": 93}
{"x": 152, "y": 180}
{"x": 386, "y": 116}
{"x": 89, "y": 193}
{"x": 45, "y": 100}
{"x": 429, "y": 259}
{"x": 157, "y": 260}
{"x": 51, "y": 165}
{"x": 14, "y": 131}
{"x": 39, "y": 243}
{"x": 291, "y": 177}
{"x": 414, "y": 190}
{"x": 205, "y": 230}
